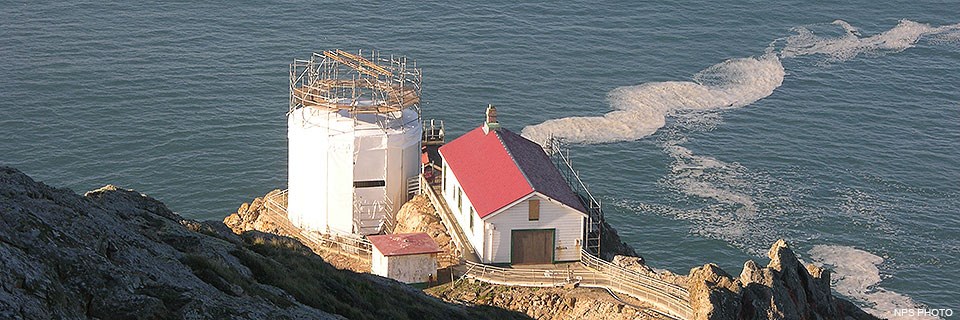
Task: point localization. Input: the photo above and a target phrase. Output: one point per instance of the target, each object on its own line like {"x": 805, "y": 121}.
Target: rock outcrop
{"x": 117, "y": 254}
{"x": 262, "y": 215}
{"x": 418, "y": 215}
{"x": 611, "y": 244}
{"x": 252, "y": 216}
{"x": 784, "y": 289}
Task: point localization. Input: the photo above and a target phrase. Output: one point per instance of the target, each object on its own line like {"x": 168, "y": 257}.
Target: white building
{"x": 407, "y": 257}
{"x": 354, "y": 134}
{"x": 509, "y": 198}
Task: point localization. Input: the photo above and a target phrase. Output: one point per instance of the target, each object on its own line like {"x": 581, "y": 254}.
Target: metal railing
{"x": 521, "y": 276}
{"x": 668, "y": 297}
{"x": 347, "y": 244}
{"x": 592, "y": 232}
{"x": 665, "y": 297}
{"x": 446, "y": 218}
{"x": 359, "y": 247}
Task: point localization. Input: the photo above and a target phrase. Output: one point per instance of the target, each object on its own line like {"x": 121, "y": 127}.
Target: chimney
{"x": 491, "y": 124}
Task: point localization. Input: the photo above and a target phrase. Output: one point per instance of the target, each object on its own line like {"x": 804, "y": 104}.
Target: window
{"x": 534, "y": 213}
{"x": 471, "y": 219}
{"x": 460, "y": 199}
{"x": 369, "y": 184}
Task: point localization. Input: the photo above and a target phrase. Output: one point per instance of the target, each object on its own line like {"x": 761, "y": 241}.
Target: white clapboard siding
{"x": 553, "y": 215}
{"x": 475, "y": 236}
{"x": 491, "y": 237}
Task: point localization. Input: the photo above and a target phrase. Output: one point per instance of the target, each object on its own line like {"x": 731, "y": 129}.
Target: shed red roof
{"x": 402, "y": 244}
{"x": 498, "y": 168}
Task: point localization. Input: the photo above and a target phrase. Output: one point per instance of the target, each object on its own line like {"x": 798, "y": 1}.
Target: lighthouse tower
{"x": 354, "y": 133}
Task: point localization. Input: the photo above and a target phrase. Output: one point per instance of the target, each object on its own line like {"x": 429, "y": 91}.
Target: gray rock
{"x": 784, "y": 289}
{"x": 111, "y": 254}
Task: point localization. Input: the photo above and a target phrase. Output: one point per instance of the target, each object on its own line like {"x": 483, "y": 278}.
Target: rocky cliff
{"x": 117, "y": 254}
{"x": 784, "y": 289}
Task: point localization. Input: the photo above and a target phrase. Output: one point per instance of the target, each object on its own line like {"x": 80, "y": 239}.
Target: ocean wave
{"x": 856, "y": 274}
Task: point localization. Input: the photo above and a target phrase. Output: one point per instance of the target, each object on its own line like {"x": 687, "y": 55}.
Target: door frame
{"x": 553, "y": 247}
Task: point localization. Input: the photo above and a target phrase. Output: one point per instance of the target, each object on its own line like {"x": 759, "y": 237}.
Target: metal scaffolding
{"x": 339, "y": 80}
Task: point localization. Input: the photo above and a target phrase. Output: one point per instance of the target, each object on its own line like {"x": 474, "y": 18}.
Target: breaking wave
{"x": 856, "y": 275}
{"x": 641, "y": 110}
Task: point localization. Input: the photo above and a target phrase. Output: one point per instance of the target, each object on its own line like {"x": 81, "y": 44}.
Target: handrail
{"x": 670, "y": 299}
{"x": 360, "y": 247}
{"x": 555, "y": 147}
{"x": 599, "y": 265}
{"x": 452, "y": 226}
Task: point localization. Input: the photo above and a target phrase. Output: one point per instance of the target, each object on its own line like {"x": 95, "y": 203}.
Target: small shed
{"x": 405, "y": 257}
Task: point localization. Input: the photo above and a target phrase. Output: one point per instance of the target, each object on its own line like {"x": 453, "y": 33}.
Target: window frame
{"x": 533, "y": 210}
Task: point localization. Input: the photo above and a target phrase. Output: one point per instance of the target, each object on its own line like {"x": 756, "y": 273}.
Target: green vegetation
{"x": 227, "y": 280}
{"x": 288, "y": 265}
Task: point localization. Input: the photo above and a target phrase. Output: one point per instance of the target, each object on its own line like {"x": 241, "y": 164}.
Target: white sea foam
{"x": 856, "y": 275}
{"x": 851, "y": 44}
{"x": 733, "y": 215}
{"x": 641, "y": 110}
{"x": 741, "y": 206}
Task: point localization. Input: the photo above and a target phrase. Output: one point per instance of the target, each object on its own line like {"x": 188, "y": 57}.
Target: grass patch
{"x": 226, "y": 279}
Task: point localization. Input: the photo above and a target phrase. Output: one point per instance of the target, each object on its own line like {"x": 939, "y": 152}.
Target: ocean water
{"x": 708, "y": 129}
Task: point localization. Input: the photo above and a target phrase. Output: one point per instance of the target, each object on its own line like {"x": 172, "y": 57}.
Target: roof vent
{"x": 491, "y": 124}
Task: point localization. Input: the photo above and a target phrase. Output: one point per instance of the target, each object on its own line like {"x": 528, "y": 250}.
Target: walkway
{"x": 449, "y": 221}
{"x": 668, "y": 299}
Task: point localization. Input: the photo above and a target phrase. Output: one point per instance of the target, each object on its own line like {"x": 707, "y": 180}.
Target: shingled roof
{"x": 499, "y": 167}
{"x": 401, "y": 244}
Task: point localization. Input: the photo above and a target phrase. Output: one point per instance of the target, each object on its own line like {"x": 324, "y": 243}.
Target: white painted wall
{"x": 328, "y": 151}
{"x": 553, "y": 215}
{"x": 491, "y": 238}
{"x": 462, "y": 213}
{"x": 320, "y": 169}
{"x": 416, "y": 268}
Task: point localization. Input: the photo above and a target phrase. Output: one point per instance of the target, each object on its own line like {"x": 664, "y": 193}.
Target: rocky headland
{"x": 114, "y": 253}
{"x": 118, "y": 254}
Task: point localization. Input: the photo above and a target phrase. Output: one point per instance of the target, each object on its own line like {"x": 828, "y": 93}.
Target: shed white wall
{"x": 415, "y": 268}
{"x": 567, "y": 222}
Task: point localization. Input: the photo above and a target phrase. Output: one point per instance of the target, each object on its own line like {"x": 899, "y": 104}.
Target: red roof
{"x": 501, "y": 167}
{"x": 402, "y": 244}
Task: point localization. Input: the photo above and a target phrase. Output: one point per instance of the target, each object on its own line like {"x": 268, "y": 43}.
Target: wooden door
{"x": 531, "y": 246}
